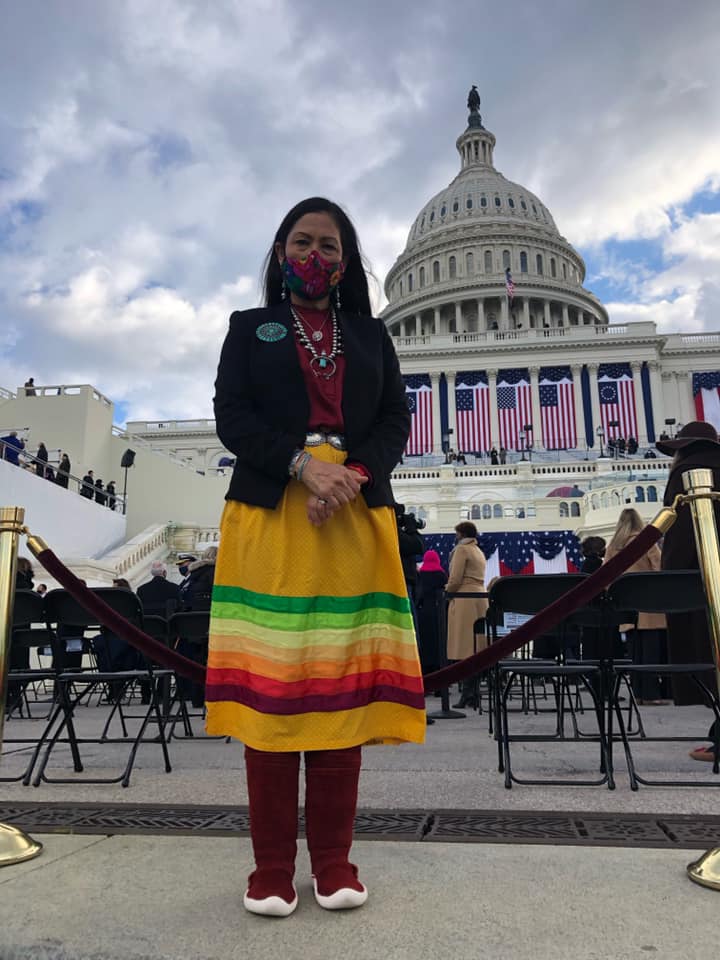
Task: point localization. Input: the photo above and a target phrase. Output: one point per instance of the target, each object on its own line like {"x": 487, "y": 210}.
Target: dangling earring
{"x": 337, "y": 297}
{"x": 283, "y": 289}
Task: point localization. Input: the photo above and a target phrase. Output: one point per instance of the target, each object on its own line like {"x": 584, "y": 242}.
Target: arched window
{"x": 564, "y": 271}
{"x": 436, "y": 271}
{"x": 483, "y": 201}
{"x": 652, "y": 494}
{"x": 452, "y": 268}
{"x": 553, "y": 267}
{"x": 615, "y": 497}
{"x": 574, "y": 509}
{"x": 595, "y": 501}
{"x": 497, "y": 511}
{"x": 523, "y": 205}
{"x": 523, "y": 261}
{"x": 421, "y": 276}
{"x": 475, "y": 512}
{"x": 469, "y": 264}
{"x": 443, "y": 210}
{"x": 564, "y": 510}
{"x": 497, "y": 201}
{"x": 639, "y": 495}
{"x": 468, "y": 203}
{"x": 511, "y": 203}
{"x": 604, "y": 501}
{"x": 486, "y": 511}
{"x": 534, "y": 209}
{"x": 456, "y": 206}
{"x": 410, "y": 282}
{"x": 401, "y": 288}
{"x": 488, "y": 261}
{"x": 506, "y": 259}
{"x": 539, "y": 263}
{"x": 432, "y": 216}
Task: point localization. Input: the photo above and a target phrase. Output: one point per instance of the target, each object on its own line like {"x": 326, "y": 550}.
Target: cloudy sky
{"x": 149, "y": 148}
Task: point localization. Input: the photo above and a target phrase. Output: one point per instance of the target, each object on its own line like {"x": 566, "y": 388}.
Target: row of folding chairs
{"x": 603, "y": 680}
{"x": 47, "y": 623}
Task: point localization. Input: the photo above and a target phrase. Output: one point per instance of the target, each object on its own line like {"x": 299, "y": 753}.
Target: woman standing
{"x": 311, "y": 641}
{"x": 648, "y": 641}
{"x": 63, "y": 472}
{"x": 467, "y": 575}
{"x": 431, "y": 580}
{"x": 695, "y": 447}
{"x": 41, "y": 458}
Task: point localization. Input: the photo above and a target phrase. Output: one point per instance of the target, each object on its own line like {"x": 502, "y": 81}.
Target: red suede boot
{"x": 331, "y": 787}
{"x": 272, "y": 780}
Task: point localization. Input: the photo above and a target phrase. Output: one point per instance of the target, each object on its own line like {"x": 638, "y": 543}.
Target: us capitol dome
{"x": 452, "y": 275}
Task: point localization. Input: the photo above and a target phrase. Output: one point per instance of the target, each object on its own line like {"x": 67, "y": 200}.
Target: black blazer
{"x": 262, "y": 406}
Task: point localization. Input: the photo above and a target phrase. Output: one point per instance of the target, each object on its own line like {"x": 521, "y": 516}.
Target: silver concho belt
{"x": 315, "y": 438}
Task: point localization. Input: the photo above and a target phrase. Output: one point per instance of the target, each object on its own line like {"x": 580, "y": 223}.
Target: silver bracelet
{"x": 294, "y": 461}
{"x": 303, "y": 461}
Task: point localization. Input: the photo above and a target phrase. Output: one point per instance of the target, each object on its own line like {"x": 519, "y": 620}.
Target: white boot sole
{"x": 343, "y": 899}
{"x": 270, "y": 906}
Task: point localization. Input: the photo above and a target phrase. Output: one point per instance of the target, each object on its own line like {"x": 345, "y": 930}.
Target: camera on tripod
{"x": 408, "y": 522}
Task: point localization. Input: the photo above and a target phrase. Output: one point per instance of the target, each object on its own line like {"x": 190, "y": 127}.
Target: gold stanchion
{"x": 15, "y": 846}
{"x": 698, "y": 486}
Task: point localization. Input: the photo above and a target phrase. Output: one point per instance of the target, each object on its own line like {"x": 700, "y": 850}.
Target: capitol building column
{"x": 686, "y": 404}
{"x": 504, "y": 313}
{"x": 656, "y": 397}
{"x": 537, "y": 437}
{"x": 639, "y": 402}
{"x": 452, "y": 408}
{"x": 576, "y": 370}
{"x": 526, "y": 313}
{"x": 436, "y": 320}
{"x": 436, "y": 423}
{"x": 565, "y": 316}
{"x": 547, "y": 319}
{"x": 481, "y": 314}
{"x": 594, "y": 397}
{"x": 494, "y": 419}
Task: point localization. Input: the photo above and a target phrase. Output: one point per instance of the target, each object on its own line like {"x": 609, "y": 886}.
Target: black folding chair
{"x": 664, "y": 591}
{"x": 189, "y": 634}
{"x": 76, "y": 686}
{"x": 26, "y": 635}
{"x": 529, "y": 595}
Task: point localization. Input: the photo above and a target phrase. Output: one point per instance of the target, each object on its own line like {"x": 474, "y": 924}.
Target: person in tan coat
{"x": 648, "y": 641}
{"x": 467, "y": 575}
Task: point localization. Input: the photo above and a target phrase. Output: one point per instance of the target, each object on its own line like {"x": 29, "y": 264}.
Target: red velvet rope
{"x": 538, "y": 625}
{"x": 151, "y": 648}
{"x": 549, "y": 617}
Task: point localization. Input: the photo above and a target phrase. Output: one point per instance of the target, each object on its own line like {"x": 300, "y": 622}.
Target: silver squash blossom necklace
{"x": 322, "y": 364}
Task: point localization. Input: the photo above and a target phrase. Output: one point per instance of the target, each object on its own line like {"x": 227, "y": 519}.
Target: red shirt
{"x": 325, "y": 395}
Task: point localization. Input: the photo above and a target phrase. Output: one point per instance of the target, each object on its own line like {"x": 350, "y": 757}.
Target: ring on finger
{"x": 323, "y": 502}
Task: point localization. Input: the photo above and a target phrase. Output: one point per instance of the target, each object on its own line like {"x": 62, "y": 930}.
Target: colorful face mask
{"x": 312, "y": 277}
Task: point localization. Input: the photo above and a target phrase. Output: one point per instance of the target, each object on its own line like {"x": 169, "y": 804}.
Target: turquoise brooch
{"x": 271, "y": 332}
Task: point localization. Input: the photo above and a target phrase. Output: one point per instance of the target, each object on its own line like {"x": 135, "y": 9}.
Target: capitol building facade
{"x": 506, "y": 356}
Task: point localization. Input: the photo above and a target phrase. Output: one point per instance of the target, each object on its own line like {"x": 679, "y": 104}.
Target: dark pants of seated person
{"x": 648, "y": 646}
{"x": 187, "y": 690}
{"x": 114, "y": 654}
{"x": 19, "y": 660}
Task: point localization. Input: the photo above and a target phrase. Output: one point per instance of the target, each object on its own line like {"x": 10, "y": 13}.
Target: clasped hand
{"x": 332, "y": 486}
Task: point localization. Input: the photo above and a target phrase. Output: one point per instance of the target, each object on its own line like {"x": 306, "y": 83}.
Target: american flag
{"x": 419, "y": 399}
{"x": 509, "y": 285}
{"x": 514, "y": 405}
{"x": 557, "y": 408}
{"x": 472, "y": 399}
{"x": 617, "y": 400}
{"x": 706, "y": 391}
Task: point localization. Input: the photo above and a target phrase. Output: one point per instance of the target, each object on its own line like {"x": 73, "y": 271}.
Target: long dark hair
{"x": 354, "y": 296}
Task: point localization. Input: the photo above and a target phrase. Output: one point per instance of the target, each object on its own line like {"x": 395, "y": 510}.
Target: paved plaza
{"x": 153, "y": 896}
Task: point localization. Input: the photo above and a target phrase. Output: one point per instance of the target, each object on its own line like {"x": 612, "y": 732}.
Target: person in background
{"x": 183, "y": 565}
{"x": 467, "y": 575}
{"x": 431, "y": 580}
{"x": 49, "y": 474}
{"x": 461, "y": 457}
{"x": 62, "y": 477}
{"x": 696, "y": 446}
{"x": 42, "y": 456}
{"x": 593, "y": 551}
{"x": 158, "y": 595}
{"x": 493, "y": 457}
{"x": 30, "y": 387}
{"x": 87, "y": 487}
{"x": 41, "y": 588}
{"x": 201, "y": 575}
{"x": 100, "y": 496}
{"x": 110, "y": 491}
{"x": 12, "y": 445}
{"x": 503, "y": 456}
{"x": 647, "y": 642}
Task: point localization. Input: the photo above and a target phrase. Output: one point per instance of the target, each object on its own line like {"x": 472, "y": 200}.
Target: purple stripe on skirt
{"x": 317, "y": 703}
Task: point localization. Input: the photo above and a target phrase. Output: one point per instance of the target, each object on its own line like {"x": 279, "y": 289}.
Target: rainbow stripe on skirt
{"x": 311, "y": 639}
